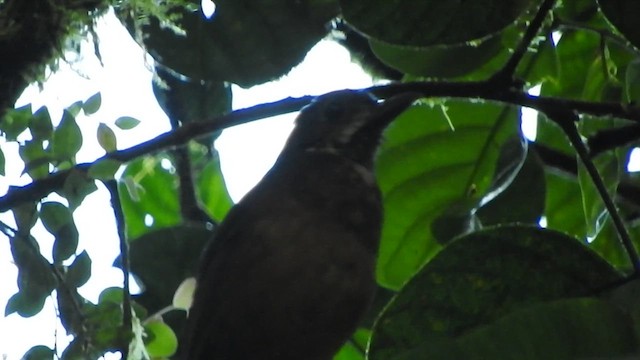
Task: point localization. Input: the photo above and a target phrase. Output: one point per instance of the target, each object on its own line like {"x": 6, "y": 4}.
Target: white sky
{"x": 125, "y": 84}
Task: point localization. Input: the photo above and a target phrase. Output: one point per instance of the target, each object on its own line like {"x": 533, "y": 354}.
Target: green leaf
{"x": 127, "y": 122}
{"x": 74, "y": 109}
{"x": 425, "y": 169}
{"x": 79, "y": 271}
{"x": 162, "y": 259}
{"x": 92, "y": 104}
{"x": 212, "y": 189}
{"x": 40, "y": 125}
{"x": 35, "y": 276}
{"x": 15, "y": 121}
{"x": 561, "y": 206}
{"x": 104, "y": 169}
{"x": 25, "y": 216}
{"x": 431, "y": 22}
{"x": 483, "y": 276}
{"x": 67, "y": 138}
{"x": 54, "y": 216}
{"x": 566, "y": 329}
{"x": 111, "y": 294}
{"x": 183, "y": 296}
{"x": 148, "y": 191}
{"x": 66, "y": 243}
{"x": 39, "y": 352}
{"x": 36, "y": 159}
{"x": 276, "y": 35}
{"x": 77, "y": 185}
{"x": 57, "y": 219}
{"x": 440, "y": 61}
{"x": 573, "y": 70}
{"x": 161, "y": 340}
{"x": 356, "y": 347}
{"x": 107, "y": 138}
{"x": 523, "y": 199}
{"x": 25, "y": 303}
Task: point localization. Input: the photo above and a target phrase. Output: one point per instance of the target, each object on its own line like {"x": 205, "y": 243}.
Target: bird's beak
{"x": 388, "y": 110}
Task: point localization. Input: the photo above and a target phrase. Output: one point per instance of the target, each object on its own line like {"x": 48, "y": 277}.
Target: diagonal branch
{"x": 482, "y": 90}
{"x": 567, "y": 120}
{"x": 506, "y": 74}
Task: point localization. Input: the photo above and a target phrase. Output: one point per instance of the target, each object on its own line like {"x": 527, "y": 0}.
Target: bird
{"x": 290, "y": 271}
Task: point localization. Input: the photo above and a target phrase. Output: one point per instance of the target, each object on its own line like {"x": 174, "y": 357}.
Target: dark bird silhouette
{"x": 290, "y": 271}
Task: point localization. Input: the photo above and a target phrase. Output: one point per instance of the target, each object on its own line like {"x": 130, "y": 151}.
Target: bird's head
{"x": 346, "y": 123}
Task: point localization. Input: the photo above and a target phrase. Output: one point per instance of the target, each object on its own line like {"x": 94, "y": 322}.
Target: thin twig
{"x": 567, "y": 120}
{"x": 127, "y": 316}
{"x": 506, "y": 74}
{"x": 469, "y": 90}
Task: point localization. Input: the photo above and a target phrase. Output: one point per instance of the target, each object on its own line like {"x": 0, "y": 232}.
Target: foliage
{"x": 473, "y": 273}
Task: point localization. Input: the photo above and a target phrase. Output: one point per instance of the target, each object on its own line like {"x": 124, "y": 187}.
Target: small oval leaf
{"x": 92, "y": 104}
{"x": 66, "y": 243}
{"x": 25, "y": 303}
{"x": 107, "y": 138}
{"x": 79, "y": 271}
{"x": 104, "y": 169}
{"x": 183, "y": 297}
{"x": 127, "y": 122}
{"x": 40, "y": 124}
{"x": 54, "y": 215}
{"x": 67, "y": 138}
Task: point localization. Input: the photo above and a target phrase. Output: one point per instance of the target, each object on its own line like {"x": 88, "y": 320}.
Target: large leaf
{"x": 431, "y": 22}
{"x": 212, "y": 189}
{"x": 245, "y": 42}
{"x": 522, "y": 201}
{"x": 581, "y": 328}
{"x": 482, "y": 277}
{"x": 426, "y": 168}
{"x": 440, "y": 61}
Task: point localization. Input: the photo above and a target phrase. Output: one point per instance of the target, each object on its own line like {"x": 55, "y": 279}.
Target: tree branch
{"x": 482, "y": 90}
